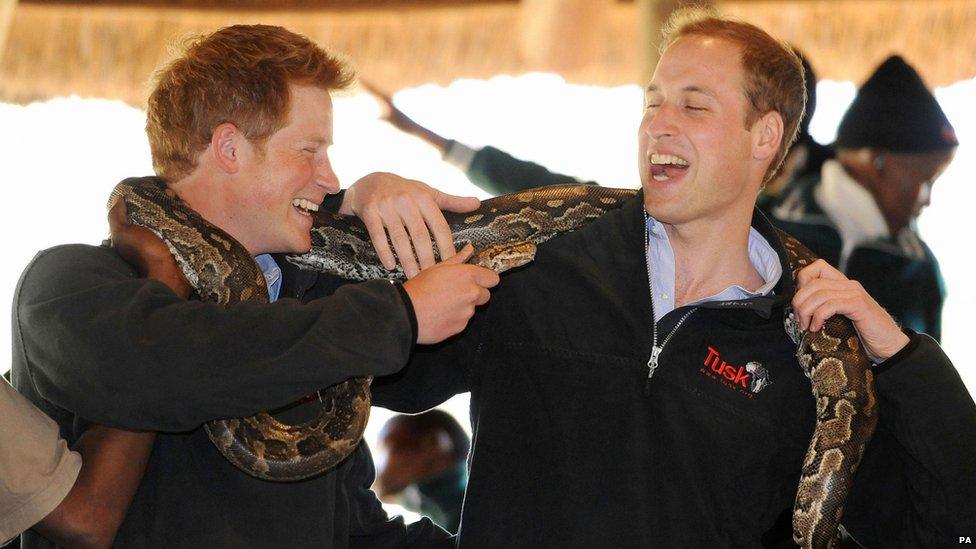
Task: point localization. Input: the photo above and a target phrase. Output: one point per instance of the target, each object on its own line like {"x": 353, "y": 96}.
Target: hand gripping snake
{"x": 505, "y": 231}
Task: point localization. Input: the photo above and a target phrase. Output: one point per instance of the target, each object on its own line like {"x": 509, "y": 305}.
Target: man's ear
{"x": 225, "y": 147}
{"x": 767, "y": 134}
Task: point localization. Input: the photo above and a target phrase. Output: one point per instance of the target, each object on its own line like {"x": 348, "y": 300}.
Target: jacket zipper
{"x": 656, "y": 349}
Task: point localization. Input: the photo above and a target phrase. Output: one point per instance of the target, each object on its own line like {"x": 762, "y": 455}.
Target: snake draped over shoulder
{"x": 504, "y": 231}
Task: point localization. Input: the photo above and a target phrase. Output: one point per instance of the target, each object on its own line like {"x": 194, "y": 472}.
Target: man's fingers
{"x": 419, "y": 236}
{"x": 116, "y": 216}
{"x": 453, "y": 203}
{"x": 814, "y": 286}
{"x": 486, "y": 278}
{"x": 462, "y": 256}
{"x": 824, "y": 302}
{"x": 377, "y": 234}
{"x": 847, "y": 306}
{"x": 483, "y": 296}
{"x": 400, "y": 238}
{"x": 439, "y": 228}
{"x": 818, "y": 269}
{"x": 404, "y": 250}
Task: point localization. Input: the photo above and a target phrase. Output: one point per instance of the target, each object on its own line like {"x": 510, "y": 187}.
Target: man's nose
{"x": 659, "y": 122}
{"x": 924, "y": 194}
{"x": 325, "y": 176}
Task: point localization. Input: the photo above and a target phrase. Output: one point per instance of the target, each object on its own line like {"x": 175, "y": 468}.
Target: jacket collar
{"x": 294, "y": 281}
{"x": 631, "y": 246}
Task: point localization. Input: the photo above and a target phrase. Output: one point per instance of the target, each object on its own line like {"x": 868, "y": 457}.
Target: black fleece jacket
{"x": 575, "y": 447}
{"x": 93, "y": 343}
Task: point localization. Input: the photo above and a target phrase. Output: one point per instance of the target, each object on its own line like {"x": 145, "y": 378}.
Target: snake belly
{"x": 221, "y": 270}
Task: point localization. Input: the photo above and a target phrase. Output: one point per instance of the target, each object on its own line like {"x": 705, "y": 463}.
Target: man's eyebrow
{"x": 699, "y": 89}
{"x": 692, "y": 89}
{"x": 319, "y": 140}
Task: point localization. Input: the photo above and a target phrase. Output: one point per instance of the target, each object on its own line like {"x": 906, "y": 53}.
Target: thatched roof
{"x": 108, "y": 49}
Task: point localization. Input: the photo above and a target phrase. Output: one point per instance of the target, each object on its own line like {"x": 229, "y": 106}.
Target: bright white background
{"x": 60, "y": 159}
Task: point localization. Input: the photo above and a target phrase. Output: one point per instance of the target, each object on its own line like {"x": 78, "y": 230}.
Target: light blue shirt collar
{"x": 660, "y": 264}
{"x": 272, "y": 275}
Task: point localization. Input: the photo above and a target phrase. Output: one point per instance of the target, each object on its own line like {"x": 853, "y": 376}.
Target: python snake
{"x": 504, "y": 230}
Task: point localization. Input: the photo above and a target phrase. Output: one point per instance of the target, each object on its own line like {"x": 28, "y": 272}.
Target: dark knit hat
{"x": 894, "y": 111}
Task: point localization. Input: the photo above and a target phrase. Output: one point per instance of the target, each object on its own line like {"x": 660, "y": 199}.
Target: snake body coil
{"x": 504, "y": 230}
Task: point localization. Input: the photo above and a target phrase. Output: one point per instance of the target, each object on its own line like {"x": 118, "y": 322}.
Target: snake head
{"x": 502, "y": 257}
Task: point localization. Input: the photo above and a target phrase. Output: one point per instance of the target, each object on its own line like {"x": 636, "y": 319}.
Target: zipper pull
{"x": 651, "y": 366}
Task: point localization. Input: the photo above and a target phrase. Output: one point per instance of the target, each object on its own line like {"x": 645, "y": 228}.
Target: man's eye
{"x": 695, "y": 108}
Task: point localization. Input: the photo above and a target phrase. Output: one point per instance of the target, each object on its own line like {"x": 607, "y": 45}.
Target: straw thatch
{"x": 99, "y": 49}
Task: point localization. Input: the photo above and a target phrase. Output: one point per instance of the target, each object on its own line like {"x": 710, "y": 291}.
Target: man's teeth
{"x": 668, "y": 159}
{"x": 305, "y": 205}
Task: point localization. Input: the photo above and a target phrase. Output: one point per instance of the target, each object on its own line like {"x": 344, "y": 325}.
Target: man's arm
{"x": 113, "y": 462}
{"x": 129, "y": 353}
{"x": 498, "y": 172}
{"x": 917, "y": 480}
{"x": 916, "y": 485}
{"x": 491, "y": 169}
{"x": 142, "y": 358}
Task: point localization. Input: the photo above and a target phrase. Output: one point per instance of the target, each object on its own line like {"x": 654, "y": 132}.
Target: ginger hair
{"x": 239, "y": 74}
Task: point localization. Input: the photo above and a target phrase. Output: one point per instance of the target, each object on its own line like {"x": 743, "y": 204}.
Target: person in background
{"x": 420, "y": 465}
{"x": 858, "y": 211}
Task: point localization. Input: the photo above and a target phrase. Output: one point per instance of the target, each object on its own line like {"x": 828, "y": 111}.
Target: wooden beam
{"x": 564, "y": 35}
{"x": 6, "y": 17}
{"x": 271, "y": 5}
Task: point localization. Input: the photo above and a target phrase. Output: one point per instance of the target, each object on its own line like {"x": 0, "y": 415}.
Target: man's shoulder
{"x": 61, "y": 264}
{"x": 74, "y": 256}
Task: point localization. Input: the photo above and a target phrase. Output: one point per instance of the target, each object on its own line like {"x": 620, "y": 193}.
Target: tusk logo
{"x": 749, "y": 379}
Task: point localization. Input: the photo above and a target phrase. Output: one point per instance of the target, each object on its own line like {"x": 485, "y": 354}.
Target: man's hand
{"x": 410, "y": 212}
{"x": 143, "y": 250}
{"x": 823, "y": 292}
{"x": 444, "y": 296}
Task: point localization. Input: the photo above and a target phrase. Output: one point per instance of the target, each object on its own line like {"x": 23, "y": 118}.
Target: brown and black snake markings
{"x": 505, "y": 230}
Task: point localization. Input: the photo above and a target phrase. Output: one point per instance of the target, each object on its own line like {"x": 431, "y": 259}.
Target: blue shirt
{"x": 272, "y": 275}
{"x": 660, "y": 263}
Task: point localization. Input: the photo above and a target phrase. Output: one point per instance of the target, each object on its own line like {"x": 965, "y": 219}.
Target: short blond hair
{"x": 774, "y": 78}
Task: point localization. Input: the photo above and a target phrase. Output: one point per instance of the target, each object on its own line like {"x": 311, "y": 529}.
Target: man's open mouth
{"x": 304, "y": 206}
{"x": 666, "y": 166}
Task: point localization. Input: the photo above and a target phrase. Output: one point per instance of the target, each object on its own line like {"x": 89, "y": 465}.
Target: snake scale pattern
{"x": 504, "y": 230}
